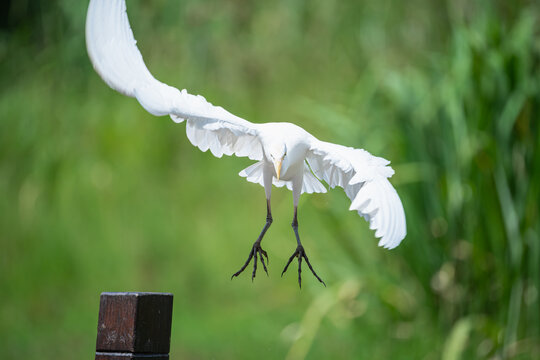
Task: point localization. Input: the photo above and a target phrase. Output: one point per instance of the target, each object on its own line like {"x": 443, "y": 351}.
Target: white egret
{"x": 285, "y": 154}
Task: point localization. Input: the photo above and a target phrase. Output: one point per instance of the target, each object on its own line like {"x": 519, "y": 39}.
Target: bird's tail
{"x": 311, "y": 184}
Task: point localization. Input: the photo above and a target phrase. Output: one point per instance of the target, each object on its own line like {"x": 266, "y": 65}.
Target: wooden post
{"x": 134, "y": 325}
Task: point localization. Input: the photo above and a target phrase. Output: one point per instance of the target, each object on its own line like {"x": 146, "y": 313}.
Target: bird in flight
{"x": 285, "y": 154}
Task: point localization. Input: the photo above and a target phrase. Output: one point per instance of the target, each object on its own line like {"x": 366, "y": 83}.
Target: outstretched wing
{"x": 116, "y": 58}
{"x": 364, "y": 178}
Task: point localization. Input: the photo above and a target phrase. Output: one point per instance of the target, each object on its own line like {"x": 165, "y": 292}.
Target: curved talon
{"x": 289, "y": 262}
{"x": 301, "y": 254}
{"x": 266, "y": 255}
{"x": 254, "y": 264}
{"x": 300, "y": 272}
{"x": 255, "y": 251}
{"x": 263, "y": 264}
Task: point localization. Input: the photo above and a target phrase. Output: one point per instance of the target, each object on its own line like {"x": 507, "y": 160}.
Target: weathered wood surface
{"x": 129, "y": 356}
{"x": 134, "y": 325}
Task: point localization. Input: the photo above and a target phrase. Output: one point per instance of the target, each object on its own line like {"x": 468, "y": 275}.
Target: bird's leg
{"x": 300, "y": 254}
{"x": 257, "y": 250}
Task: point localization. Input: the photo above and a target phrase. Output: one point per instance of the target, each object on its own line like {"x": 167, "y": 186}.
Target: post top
{"x": 135, "y": 293}
{"x": 134, "y": 322}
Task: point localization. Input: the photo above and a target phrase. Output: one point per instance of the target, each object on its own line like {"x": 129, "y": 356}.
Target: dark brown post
{"x": 134, "y": 325}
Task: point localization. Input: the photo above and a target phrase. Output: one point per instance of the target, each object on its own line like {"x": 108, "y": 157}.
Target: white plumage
{"x": 286, "y": 154}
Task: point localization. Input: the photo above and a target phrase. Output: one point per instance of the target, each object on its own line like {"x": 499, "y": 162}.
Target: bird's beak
{"x": 277, "y": 166}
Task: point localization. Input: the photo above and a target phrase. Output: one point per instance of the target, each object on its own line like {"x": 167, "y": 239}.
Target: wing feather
{"x": 364, "y": 178}
{"x": 113, "y": 51}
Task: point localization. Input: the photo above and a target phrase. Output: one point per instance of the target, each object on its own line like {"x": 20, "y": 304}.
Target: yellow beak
{"x": 277, "y": 166}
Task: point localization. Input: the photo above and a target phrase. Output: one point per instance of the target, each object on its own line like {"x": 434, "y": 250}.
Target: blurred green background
{"x": 98, "y": 195}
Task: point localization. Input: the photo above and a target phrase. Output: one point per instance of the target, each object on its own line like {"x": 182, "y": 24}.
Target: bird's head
{"x": 277, "y": 152}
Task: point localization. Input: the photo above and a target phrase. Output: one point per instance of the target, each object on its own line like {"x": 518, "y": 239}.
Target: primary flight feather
{"x": 286, "y": 154}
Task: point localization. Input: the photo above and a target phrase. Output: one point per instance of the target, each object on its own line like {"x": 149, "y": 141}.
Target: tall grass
{"x": 468, "y": 139}
{"x": 474, "y": 119}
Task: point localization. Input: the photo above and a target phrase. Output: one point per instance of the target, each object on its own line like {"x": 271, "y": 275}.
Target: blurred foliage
{"x": 98, "y": 195}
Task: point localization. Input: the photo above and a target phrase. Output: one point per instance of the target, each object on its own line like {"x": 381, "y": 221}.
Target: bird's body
{"x": 294, "y": 140}
{"x": 285, "y": 154}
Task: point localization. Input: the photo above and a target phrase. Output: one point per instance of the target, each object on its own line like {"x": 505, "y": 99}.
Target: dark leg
{"x": 257, "y": 249}
{"x": 300, "y": 254}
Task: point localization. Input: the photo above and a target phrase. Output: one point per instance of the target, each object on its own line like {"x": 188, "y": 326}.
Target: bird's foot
{"x": 301, "y": 254}
{"x": 255, "y": 251}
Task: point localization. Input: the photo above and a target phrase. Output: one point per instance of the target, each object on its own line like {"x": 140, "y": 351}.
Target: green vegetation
{"x": 98, "y": 195}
